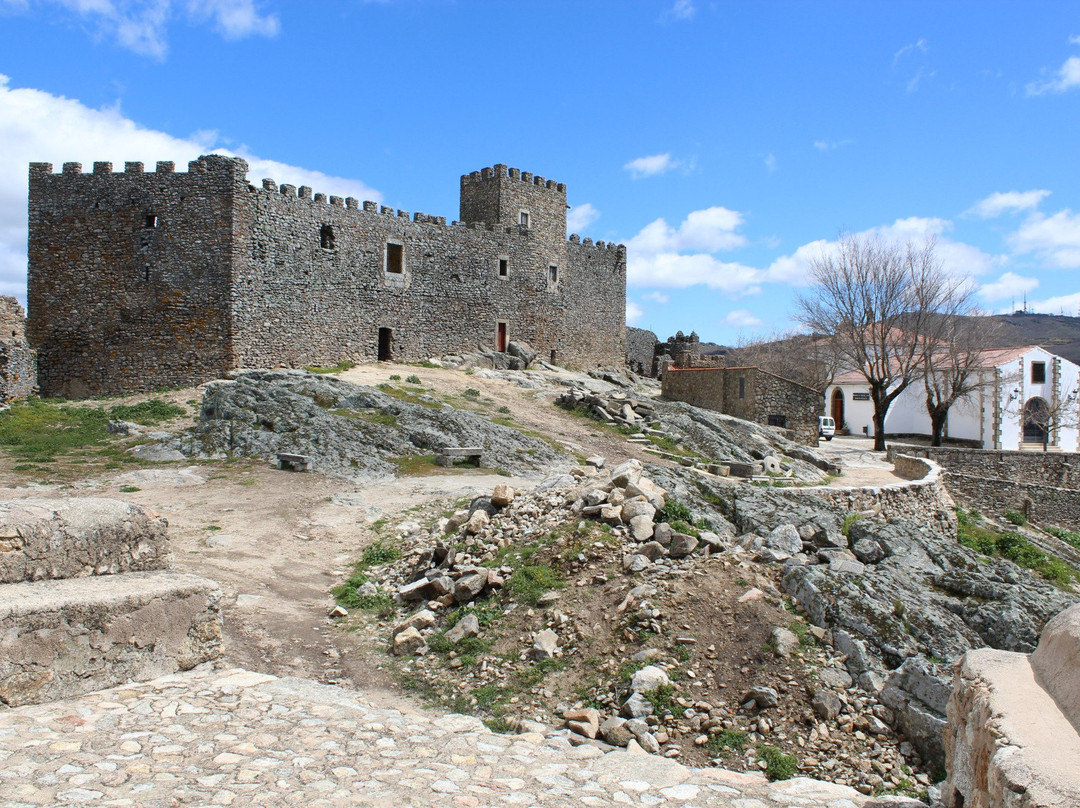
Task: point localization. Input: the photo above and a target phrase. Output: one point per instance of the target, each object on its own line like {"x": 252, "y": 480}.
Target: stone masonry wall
{"x": 146, "y": 280}
{"x": 1043, "y": 485}
{"x": 748, "y": 393}
{"x": 640, "y": 351}
{"x": 18, "y": 361}
{"x": 129, "y": 274}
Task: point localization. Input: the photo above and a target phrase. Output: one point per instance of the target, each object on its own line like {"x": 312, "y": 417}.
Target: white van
{"x": 826, "y": 427}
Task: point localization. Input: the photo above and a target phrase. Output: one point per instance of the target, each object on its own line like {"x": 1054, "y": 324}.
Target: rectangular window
{"x": 553, "y": 274}
{"x": 1038, "y": 373}
{"x": 504, "y": 267}
{"x": 742, "y": 387}
{"x": 326, "y": 237}
{"x": 151, "y": 221}
{"x": 395, "y": 258}
{"x": 777, "y": 420}
{"x": 523, "y": 218}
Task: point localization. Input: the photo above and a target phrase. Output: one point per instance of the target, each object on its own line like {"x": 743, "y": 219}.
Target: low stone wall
{"x": 1045, "y": 486}
{"x": 924, "y": 498}
{"x": 45, "y": 538}
{"x": 85, "y": 601}
{"x": 64, "y": 638}
{"x": 1012, "y": 739}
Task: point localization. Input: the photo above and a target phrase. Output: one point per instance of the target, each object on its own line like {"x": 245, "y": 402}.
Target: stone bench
{"x": 1013, "y": 735}
{"x": 448, "y": 455}
{"x": 62, "y": 638}
{"x": 293, "y": 462}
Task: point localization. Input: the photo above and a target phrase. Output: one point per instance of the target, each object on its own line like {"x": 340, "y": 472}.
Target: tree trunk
{"x": 937, "y": 426}
{"x": 879, "y": 431}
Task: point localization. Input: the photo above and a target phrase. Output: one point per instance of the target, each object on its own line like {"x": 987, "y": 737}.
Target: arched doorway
{"x": 1036, "y": 420}
{"x": 838, "y": 408}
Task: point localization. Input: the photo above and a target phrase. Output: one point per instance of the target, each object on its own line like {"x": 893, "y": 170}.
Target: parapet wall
{"x": 923, "y": 498}
{"x": 1045, "y": 486}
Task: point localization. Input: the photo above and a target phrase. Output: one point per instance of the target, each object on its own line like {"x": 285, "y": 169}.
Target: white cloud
{"x": 634, "y": 312}
{"x": 652, "y": 165}
{"x": 142, "y": 25}
{"x": 1066, "y": 78}
{"x": 657, "y": 296}
{"x": 36, "y": 126}
{"x": 1056, "y": 239}
{"x": 770, "y": 162}
{"x": 1008, "y": 287}
{"x": 581, "y": 216}
{"x": 914, "y": 82}
{"x": 919, "y": 45}
{"x": 742, "y": 318}
{"x": 1007, "y": 202}
{"x": 829, "y": 145}
{"x": 681, "y": 10}
{"x": 1062, "y": 304}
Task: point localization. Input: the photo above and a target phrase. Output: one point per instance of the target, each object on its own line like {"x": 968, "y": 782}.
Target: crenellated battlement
{"x": 499, "y": 171}
{"x": 205, "y": 164}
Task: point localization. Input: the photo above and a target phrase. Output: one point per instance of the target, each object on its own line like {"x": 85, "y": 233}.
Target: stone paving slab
{"x": 217, "y": 737}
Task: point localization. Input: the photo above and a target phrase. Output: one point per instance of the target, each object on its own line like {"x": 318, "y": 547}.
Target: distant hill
{"x": 1058, "y": 333}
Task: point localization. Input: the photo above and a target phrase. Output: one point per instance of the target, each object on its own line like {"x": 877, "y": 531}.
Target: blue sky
{"x": 726, "y": 144}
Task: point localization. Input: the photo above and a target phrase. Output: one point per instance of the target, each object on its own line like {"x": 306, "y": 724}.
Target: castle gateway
{"x": 140, "y": 280}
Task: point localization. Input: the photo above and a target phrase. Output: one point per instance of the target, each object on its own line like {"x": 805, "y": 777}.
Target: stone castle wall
{"x": 1045, "y": 486}
{"x": 751, "y": 394}
{"x": 641, "y": 351}
{"x": 200, "y": 273}
{"x": 18, "y": 362}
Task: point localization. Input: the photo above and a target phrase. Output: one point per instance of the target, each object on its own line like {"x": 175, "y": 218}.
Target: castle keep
{"x": 139, "y": 280}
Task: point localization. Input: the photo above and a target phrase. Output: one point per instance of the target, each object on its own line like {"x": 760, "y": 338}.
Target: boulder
{"x": 648, "y": 679}
{"x": 682, "y": 545}
{"x": 826, "y": 704}
{"x": 784, "y": 642}
{"x": 468, "y": 626}
{"x": 503, "y": 495}
{"x": 424, "y": 618}
{"x": 408, "y": 642}
{"x": 545, "y": 644}
{"x": 784, "y": 538}
{"x": 763, "y": 696}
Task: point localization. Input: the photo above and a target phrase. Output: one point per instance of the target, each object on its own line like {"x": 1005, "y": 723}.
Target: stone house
{"x": 1030, "y": 399}
{"x": 139, "y": 280}
{"x": 749, "y": 393}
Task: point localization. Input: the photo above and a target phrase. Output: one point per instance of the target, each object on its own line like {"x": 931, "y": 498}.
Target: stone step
{"x": 62, "y": 638}
{"x": 46, "y": 538}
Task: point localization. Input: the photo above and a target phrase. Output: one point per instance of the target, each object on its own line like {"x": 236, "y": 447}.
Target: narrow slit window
{"x": 742, "y": 387}
{"x": 553, "y": 274}
{"x": 395, "y": 258}
{"x": 326, "y": 237}
{"x": 151, "y": 222}
{"x": 504, "y": 267}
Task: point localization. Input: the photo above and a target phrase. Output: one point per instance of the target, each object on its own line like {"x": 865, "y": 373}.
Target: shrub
{"x": 730, "y": 740}
{"x": 471, "y": 392}
{"x": 672, "y": 512}
{"x": 379, "y": 553}
{"x": 394, "y": 377}
{"x": 849, "y": 520}
{"x": 778, "y": 766}
{"x": 660, "y": 698}
{"x": 413, "y": 379}
{"x": 1016, "y": 518}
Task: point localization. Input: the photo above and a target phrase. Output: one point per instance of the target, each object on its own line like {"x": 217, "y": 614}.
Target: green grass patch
{"x": 343, "y": 365}
{"x": 129, "y": 489}
{"x": 470, "y": 392}
{"x": 661, "y": 698}
{"x": 377, "y": 553}
{"x": 672, "y": 512}
{"x": 487, "y": 612}
{"x": 1016, "y": 518}
{"x": 778, "y": 766}
{"x": 1068, "y": 536}
{"x": 728, "y": 741}
{"x": 415, "y": 465}
{"x": 1015, "y": 548}
{"x": 849, "y": 520}
{"x": 413, "y": 379}
{"x": 528, "y": 583}
{"x": 410, "y": 395}
{"x": 531, "y": 677}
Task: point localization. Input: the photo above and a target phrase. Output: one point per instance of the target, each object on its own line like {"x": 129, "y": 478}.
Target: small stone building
{"x": 139, "y": 280}
{"x": 18, "y": 363}
{"x": 749, "y": 393}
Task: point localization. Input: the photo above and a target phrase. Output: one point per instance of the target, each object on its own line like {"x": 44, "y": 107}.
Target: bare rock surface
{"x": 349, "y": 430}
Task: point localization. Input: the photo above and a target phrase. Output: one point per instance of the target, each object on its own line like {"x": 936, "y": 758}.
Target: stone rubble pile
{"x": 846, "y": 737}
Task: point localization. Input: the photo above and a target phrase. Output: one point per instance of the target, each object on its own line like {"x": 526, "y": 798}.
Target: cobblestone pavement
{"x": 227, "y": 736}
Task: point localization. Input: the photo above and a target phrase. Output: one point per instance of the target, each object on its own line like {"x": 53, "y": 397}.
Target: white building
{"x": 1024, "y": 386}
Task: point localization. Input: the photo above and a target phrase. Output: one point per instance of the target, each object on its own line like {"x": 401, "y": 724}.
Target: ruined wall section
{"x": 129, "y": 274}
{"x": 640, "y": 351}
{"x": 18, "y": 361}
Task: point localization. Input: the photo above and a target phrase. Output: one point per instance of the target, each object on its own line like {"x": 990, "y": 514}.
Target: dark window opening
{"x": 553, "y": 274}
{"x": 151, "y": 221}
{"x": 777, "y": 420}
{"x": 553, "y": 356}
{"x": 742, "y": 387}
{"x": 504, "y": 267}
{"x": 1038, "y": 373}
{"x": 523, "y": 218}
{"x": 395, "y": 258}
{"x": 147, "y": 273}
{"x": 386, "y": 337}
{"x": 326, "y": 237}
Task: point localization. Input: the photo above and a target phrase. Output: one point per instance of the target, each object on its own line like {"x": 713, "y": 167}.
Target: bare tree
{"x": 809, "y": 359}
{"x": 877, "y": 299}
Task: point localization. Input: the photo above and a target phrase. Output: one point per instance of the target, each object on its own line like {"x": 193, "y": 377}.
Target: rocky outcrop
{"x": 1012, "y": 740}
{"x": 348, "y": 430}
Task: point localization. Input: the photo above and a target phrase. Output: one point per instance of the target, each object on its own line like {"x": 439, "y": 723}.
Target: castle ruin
{"x": 139, "y": 280}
